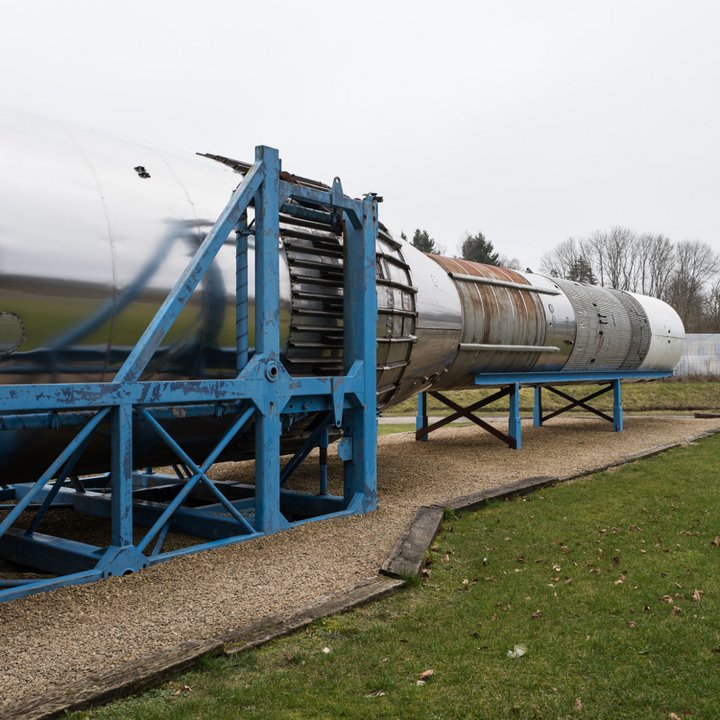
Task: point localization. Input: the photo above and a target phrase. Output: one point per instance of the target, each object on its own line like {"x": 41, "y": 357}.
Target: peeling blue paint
{"x": 262, "y": 395}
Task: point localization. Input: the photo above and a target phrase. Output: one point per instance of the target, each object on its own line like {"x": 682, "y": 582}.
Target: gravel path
{"x": 55, "y": 638}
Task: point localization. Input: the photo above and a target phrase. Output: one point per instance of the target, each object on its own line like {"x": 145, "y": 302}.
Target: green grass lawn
{"x": 660, "y": 395}
{"x": 610, "y": 583}
{"x": 390, "y": 429}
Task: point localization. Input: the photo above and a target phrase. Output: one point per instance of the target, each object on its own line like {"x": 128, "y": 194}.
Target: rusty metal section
{"x": 500, "y": 309}
{"x": 560, "y": 324}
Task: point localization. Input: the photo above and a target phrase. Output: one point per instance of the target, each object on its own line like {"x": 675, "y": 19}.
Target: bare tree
{"x": 659, "y": 257}
{"x": 509, "y": 263}
{"x": 562, "y": 259}
{"x": 712, "y": 309}
{"x": 650, "y": 264}
{"x": 615, "y": 259}
{"x": 697, "y": 263}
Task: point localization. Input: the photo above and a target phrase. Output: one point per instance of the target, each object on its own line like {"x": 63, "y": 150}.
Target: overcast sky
{"x": 529, "y": 121}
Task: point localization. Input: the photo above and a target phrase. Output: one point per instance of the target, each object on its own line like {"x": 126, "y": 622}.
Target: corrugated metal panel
{"x": 701, "y": 356}
{"x": 639, "y": 329}
{"x": 604, "y": 331}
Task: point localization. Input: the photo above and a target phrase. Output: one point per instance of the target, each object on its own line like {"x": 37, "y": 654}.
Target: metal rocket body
{"x": 94, "y": 232}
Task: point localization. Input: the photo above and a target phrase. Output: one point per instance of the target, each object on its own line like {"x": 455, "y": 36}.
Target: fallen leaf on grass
{"x": 635, "y": 528}
{"x": 673, "y": 716}
{"x": 578, "y": 704}
{"x": 536, "y": 615}
{"x": 621, "y": 579}
{"x": 667, "y": 598}
{"x": 632, "y": 624}
{"x": 716, "y": 541}
{"x": 183, "y": 689}
{"x": 697, "y": 595}
{"x": 676, "y": 610}
{"x": 419, "y": 682}
{"x": 425, "y": 674}
{"x": 375, "y": 693}
{"x": 326, "y": 650}
{"x": 556, "y": 567}
{"x": 517, "y": 652}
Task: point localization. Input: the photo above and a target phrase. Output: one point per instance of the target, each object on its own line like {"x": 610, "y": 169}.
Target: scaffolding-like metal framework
{"x": 509, "y": 385}
{"x": 260, "y": 396}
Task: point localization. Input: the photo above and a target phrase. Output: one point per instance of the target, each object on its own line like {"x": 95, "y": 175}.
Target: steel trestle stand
{"x": 509, "y": 385}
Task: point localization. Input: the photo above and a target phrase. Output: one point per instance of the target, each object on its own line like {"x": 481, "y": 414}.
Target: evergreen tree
{"x": 422, "y": 241}
{"x": 478, "y": 249}
{"x": 581, "y": 271}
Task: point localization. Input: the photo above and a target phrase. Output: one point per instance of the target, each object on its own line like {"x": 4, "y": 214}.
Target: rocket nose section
{"x": 667, "y": 341}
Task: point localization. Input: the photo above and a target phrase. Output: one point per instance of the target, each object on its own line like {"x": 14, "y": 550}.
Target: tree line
{"x": 685, "y": 274}
{"x": 474, "y": 247}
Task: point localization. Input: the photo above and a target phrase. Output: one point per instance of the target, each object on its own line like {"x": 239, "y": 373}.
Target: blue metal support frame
{"x": 510, "y": 384}
{"x": 263, "y": 391}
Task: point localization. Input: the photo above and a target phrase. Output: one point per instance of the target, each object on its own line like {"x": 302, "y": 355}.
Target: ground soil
{"x": 52, "y": 639}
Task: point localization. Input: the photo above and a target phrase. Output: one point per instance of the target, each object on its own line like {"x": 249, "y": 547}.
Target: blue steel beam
{"x": 268, "y": 517}
{"x": 617, "y": 406}
{"x": 249, "y": 384}
{"x": 514, "y": 421}
{"x": 421, "y": 419}
{"x": 241, "y": 293}
{"x": 359, "y": 351}
{"x": 540, "y": 378}
{"x": 121, "y": 473}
